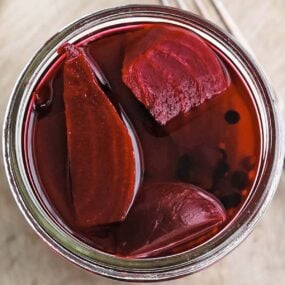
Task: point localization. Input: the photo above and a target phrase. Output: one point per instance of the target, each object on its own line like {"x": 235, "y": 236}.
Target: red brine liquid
{"x": 142, "y": 141}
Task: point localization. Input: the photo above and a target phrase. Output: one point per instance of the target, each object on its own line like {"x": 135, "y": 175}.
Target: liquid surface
{"x": 215, "y": 146}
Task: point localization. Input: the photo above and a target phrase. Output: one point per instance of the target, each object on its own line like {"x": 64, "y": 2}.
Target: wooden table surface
{"x": 24, "y": 258}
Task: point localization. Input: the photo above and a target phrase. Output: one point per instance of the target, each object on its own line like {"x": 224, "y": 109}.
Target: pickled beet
{"x": 166, "y": 215}
{"x": 140, "y": 83}
{"x": 171, "y": 71}
{"x": 100, "y": 151}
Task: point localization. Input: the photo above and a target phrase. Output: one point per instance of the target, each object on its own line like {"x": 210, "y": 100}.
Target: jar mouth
{"x": 159, "y": 268}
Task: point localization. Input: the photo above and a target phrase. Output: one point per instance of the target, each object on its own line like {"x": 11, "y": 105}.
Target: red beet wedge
{"x": 101, "y": 158}
{"x": 166, "y": 215}
{"x": 171, "y": 70}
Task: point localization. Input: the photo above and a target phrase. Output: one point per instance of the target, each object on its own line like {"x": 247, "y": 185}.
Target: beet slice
{"x": 100, "y": 151}
{"x": 171, "y": 70}
{"x": 166, "y": 215}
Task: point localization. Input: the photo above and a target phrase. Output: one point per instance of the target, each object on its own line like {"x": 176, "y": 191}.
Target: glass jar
{"x": 160, "y": 268}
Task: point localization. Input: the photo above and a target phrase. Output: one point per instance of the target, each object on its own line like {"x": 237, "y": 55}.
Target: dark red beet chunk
{"x": 171, "y": 70}
{"x": 100, "y": 151}
{"x": 166, "y": 215}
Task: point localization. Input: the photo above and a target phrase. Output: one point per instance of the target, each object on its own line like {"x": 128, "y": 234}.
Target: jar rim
{"x": 150, "y": 269}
